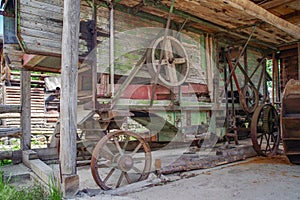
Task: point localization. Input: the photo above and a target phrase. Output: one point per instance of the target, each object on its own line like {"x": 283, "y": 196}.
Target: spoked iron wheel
{"x": 120, "y": 158}
{"x": 251, "y": 96}
{"x": 174, "y": 62}
{"x": 265, "y": 130}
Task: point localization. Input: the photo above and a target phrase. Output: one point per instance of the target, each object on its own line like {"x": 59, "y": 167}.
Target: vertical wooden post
{"x": 26, "y": 109}
{"x": 298, "y": 60}
{"x": 275, "y": 85}
{"x": 68, "y": 100}
{"x": 209, "y": 70}
{"x": 94, "y": 55}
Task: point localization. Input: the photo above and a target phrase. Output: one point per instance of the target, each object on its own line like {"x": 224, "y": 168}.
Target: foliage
{"x": 54, "y": 190}
{"x": 36, "y": 192}
{"x": 5, "y": 162}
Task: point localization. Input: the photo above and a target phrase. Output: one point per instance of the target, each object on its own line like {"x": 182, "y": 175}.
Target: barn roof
{"x": 277, "y": 22}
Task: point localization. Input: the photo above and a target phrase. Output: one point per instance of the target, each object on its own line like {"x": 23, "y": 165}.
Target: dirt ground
{"x": 256, "y": 178}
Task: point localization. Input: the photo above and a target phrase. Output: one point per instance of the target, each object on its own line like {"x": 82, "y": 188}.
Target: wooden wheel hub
{"x": 173, "y": 67}
{"x": 114, "y": 164}
{"x": 125, "y": 163}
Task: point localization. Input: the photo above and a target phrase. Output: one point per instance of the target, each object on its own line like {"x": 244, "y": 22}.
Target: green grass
{"x": 5, "y": 162}
{"x": 35, "y": 192}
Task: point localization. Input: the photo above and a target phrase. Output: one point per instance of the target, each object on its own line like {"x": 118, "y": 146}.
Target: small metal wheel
{"x": 174, "y": 64}
{"x": 120, "y": 158}
{"x": 265, "y": 130}
{"x": 251, "y": 96}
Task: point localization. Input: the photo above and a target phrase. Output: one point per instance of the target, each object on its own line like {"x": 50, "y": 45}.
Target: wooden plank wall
{"x": 288, "y": 66}
{"x": 40, "y": 25}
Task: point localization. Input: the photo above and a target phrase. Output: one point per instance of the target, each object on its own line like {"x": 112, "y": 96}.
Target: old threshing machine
{"x": 150, "y": 89}
{"x": 157, "y": 104}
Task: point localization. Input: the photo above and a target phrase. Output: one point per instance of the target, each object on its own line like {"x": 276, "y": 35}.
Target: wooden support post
{"x": 209, "y": 70}
{"x": 26, "y": 109}
{"x": 298, "y": 60}
{"x": 275, "y": 85}
{"x": 68, "y": 100}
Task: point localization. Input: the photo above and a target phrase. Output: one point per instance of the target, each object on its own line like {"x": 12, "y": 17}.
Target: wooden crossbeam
{"x": 275, "y": 3}
{"x": 257, "y": 11}
{"x": 31, "y": 60}
{"x": 5, "y": 132}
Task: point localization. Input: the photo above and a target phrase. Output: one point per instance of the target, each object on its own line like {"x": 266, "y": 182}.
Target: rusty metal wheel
{"x": 120, "y": 158}
{"x": 265, "y": 130}
{"x": 174, "y": 64}
{"x": 251, "y": 96}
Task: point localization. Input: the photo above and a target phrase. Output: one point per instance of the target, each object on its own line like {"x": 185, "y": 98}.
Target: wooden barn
{"x": 198, "y": 66}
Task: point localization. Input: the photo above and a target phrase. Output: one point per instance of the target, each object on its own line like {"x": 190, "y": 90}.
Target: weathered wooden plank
{"x": 5, "y": 132}
{"x": 68, "y": 124}
{"x": 35, "y": 48}
{"x": 26, "y": 111}
{"x": 189, "y": 162}
{"x": 43, "y": 5}
{"x": 50, "y": 15}
{"x": 10, "y": 108}
{"x": 34, "y": 115}
{"x": 40, "y": 24}
{"x": 275, "y": 3}
{"x": 44, "y": 154}
{"x": 69, "y": 82}
{"x": 40, "y": 34}
{"x": 298, "y": 60}
{"x": 46, "y": 42}
{"x": 256, "y": 11}
{"x": 54, "y": 2}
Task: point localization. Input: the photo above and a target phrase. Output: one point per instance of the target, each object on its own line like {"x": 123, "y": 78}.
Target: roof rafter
{"x": 256, "y": 11}
{"x": 274, "y": 3}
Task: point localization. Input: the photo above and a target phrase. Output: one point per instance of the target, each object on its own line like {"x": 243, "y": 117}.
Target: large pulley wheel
{"x": 251, "y": 98}
{"x": 174, "y": 64}
{"x": 265, "y": 130}
{"x": 120, "y": 158}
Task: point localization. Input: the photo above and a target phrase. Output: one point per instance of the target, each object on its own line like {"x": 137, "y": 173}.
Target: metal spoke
{"x": 118, "y": 146}
{"x": 120, "y": 179}
{"x": 136, "y": 149}
{"x": 261, "y": 140}
{"x": 110, "y": 169}
{"x": 103, "y": 165}
{"x": 109, "y": 175}
{"x": 126, "y": 143}
{"x": 268, "y": 142}
{"x": 137, "y": 170}
{"x": 106, "y": 153}
{"x": 139, "y": 158}
{"x": 127, "y": 178}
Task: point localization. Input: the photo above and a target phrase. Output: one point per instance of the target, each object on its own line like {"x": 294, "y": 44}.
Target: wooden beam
{"x": 298, "y": 60}
{"x": 43, "y": 69}
{"x": 31, "y": 60}
{"x": 26, "y": 109}
{"x": 10, "y": 108}
{"x": 254, "y": 10}
{"x": 274, "y": 3}
{"x": 68, "y": 101}
{"x": 5, "y": 132}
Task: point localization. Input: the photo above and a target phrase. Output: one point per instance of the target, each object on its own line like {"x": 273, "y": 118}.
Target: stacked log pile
{"x": 41, "y": 121}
